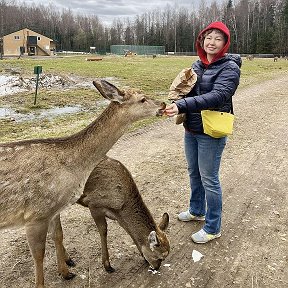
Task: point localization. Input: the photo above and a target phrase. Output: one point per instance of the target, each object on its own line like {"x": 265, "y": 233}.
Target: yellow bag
{"x": 217, "y": 124}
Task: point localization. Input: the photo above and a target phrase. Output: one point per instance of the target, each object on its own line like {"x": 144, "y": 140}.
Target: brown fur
{"x": 40, "y": 177}
{"x": 110, "y": 191}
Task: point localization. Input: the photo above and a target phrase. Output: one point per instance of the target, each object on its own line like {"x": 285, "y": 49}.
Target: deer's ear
{"x": 153, "y": 240}
{"x": 164, "y": 222}
{"x": 109, "y": 91}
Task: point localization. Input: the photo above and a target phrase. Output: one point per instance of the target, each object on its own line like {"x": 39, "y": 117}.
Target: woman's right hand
{"x": 171, "y": 110}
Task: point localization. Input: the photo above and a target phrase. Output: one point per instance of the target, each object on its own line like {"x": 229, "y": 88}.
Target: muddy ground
{"x": 252, "y": 251}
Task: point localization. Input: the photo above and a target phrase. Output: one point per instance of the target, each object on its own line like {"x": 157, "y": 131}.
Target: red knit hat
{"x": 200, "y": 51}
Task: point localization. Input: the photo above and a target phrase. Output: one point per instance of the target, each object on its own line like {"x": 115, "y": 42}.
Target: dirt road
{"x": 253, "y": 249}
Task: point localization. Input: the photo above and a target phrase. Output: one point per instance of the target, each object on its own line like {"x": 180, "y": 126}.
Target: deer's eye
{"x": 143, "y": 100}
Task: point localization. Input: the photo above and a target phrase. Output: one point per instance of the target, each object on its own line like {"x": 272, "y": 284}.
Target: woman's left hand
{"x": 171, "y": 110}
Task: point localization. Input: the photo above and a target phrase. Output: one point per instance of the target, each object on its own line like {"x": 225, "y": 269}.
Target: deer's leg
{"x": 101, "y": 223}
{"x": 36, "y": 233}
{"x": 62, "y": 256}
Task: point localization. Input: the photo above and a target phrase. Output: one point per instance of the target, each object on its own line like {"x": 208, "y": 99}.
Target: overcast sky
{"x": 107, "y": 10}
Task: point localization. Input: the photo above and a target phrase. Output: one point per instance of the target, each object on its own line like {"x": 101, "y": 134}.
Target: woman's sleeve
{"x": 223, "y": 88}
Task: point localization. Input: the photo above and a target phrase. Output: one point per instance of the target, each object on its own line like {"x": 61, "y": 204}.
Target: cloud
{"x": 107, "y": 10}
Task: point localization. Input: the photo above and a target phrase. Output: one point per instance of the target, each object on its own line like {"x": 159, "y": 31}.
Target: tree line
{"x": 257, "y": 26}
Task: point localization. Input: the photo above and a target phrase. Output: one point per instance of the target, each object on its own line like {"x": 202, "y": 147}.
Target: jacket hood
{"x": 200, "y": 51}
{"x": 235, "y": 58}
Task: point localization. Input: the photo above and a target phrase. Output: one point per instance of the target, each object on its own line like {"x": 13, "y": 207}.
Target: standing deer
{"x": 41, "y": 177}
{"x": 110, "y": 191}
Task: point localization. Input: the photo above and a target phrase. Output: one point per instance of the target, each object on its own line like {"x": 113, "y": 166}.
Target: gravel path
{"x": 252, "y": 251}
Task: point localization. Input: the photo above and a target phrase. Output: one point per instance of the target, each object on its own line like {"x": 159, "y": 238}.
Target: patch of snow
{"x": 10, "y": 85}
{"x": 14, "y": 84}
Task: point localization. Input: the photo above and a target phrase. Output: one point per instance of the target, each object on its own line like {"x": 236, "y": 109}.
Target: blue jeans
{"x": 203, "y": 155}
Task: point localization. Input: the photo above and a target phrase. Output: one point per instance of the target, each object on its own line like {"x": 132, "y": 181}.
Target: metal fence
{"x": 137, "y": 49}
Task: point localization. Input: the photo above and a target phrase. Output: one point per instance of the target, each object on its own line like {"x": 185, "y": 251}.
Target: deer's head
{"x": 157, "y": 246}
{"x": 137, "y": 106}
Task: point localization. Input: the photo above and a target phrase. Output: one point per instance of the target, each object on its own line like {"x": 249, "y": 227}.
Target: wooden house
{"x": 27, "y": 42}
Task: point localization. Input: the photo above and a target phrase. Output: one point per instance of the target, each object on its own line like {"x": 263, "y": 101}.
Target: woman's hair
{"x": 203, "y": 35}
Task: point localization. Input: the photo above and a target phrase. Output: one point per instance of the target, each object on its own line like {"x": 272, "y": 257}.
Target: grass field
{"x": 153, "y": 76}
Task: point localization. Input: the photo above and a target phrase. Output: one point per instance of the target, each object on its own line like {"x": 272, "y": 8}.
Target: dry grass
{"x": 153, "y": 76}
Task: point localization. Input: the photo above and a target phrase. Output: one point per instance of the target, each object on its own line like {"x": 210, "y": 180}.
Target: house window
{"x": 16, "y": 37}
{"x": 38, "y": 38}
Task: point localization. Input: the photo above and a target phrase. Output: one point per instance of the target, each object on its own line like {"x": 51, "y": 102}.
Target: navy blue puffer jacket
{"x": 215, "y": 86}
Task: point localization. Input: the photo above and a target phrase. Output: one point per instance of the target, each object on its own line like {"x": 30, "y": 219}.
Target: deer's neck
{"x": 140, "y": 225}
{"x": 92, "y": 143}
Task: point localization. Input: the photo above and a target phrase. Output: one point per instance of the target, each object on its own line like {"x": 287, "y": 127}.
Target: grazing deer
{"x": 250, "y": 57}
{"x": 110, "y": 191}
{"x": 40, "y": 177}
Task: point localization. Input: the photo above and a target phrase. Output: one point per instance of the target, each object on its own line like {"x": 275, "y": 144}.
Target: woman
{"x": 218, "y": 77}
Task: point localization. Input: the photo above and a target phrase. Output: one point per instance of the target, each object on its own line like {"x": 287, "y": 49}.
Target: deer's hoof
{"x": 70, "y": 263}
{"x": 69, "y": 276}
{"x": 110, "y": 269}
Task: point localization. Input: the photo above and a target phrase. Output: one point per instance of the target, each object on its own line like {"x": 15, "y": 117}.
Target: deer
{"x": 250, "y": 57}
{"x": 41, "y": 177}
{"x": 111, "y": 191}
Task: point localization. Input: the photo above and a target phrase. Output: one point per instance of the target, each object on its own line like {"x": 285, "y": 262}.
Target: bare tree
{"x": 253, "y": 24}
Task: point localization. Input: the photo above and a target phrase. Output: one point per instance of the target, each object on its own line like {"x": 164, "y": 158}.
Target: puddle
{"x": 8, "y": 113}
{"x": 11, "y": 84}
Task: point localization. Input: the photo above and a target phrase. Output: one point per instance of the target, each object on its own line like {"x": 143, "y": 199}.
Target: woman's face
{"x": 213, "y": 43}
